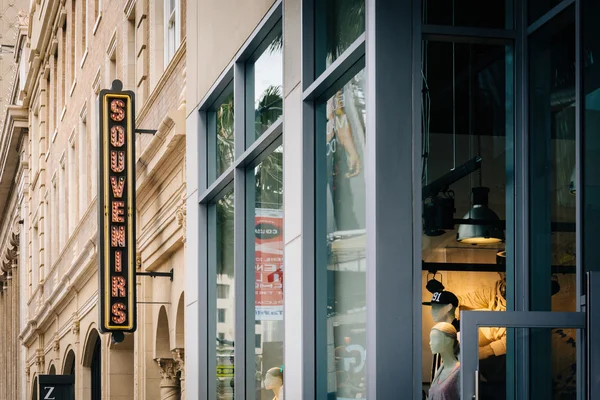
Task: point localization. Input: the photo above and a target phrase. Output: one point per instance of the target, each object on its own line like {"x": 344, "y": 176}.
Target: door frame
{"x": 471, "y": 321}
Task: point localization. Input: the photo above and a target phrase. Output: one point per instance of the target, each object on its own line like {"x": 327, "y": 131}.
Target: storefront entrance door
{"x": 539, "y": 360}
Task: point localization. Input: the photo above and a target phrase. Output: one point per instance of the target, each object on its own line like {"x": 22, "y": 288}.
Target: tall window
{"x": 71, "y": 187}
{"x": 73, "y": 42}
{"x": 84, "y": 163}
{"x": 63, "y": 71}
{"x": 243, "y": 201}
{"x": 340, "y": 147}
{"x": 172, "y": 28}
{"x": 84, "y": 26}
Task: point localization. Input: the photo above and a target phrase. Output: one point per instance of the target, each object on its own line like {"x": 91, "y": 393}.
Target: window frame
{"x": 171, "y": 17}
{"x": 210, "y": 191}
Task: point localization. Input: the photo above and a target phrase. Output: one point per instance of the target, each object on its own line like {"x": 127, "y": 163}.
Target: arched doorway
{"x": 92, "y": 366}
{"x": 96, "y": 368}
{"x": 52, "y": 370}
{"x": 34, "y": 389}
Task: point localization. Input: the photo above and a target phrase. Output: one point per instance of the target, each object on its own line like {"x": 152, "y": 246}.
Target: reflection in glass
{"x": 341, "y": 265}
{"x": 552, "y": 207}
{"x": 264, "y": 79}
{"x": 339, "y": 24}
{"x": 225, "y": 319}
{"x": 221, "y": 119}
{"x": 467, "y": 141}
{"x": 553, "y": 379}
{"x": 590, "y": 147}
{"x": 267, "y": 242}
{"x": 468, "y": 13}
{"x": 552, "y": 116}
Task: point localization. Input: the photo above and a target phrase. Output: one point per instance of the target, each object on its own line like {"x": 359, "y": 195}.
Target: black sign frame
{"x": 56, "y": 387}
{"x": 116, "y": 210}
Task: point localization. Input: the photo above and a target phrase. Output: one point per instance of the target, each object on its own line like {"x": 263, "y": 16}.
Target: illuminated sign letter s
{"x": 117, "y": 108}
{"x": 49, "y": 393}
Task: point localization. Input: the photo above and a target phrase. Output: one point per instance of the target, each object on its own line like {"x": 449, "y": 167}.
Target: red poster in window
{"x": 268, "y": 262}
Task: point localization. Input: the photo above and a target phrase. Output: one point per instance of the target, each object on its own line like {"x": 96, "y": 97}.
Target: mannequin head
{"x": 443, "y": 306}
{"x": 274, "y": 378}
{"x": 443, "y": 338}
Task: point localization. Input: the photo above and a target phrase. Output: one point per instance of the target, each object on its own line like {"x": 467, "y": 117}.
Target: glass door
{"x": 541, "y": 361}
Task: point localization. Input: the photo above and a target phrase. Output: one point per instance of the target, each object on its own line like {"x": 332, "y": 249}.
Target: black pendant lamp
{"x": 488, "y": 231}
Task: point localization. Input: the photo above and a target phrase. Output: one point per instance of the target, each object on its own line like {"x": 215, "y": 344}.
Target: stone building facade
{"x": 71, "y": 49}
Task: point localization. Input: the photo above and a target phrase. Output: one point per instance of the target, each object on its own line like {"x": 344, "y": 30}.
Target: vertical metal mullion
{"x": 522, "y": 217}
{"x": 417, "y": 133}
{"x": 210, "y": 212}
{"x": 308, "y": 205}
{"x": 392, "y": 189}
{"x": 308, "y": 43}
{"x": 520, "y": 260}
{"x": 239, "y": 237}
{"x": 579, "y": 277}
{"x": 309, "y": 287}
{"x": 206, "y": 384}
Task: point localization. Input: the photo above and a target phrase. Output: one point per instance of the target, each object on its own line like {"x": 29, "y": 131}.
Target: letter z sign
{"x": 56, "y": 387}
{"x": 116, "y": 202}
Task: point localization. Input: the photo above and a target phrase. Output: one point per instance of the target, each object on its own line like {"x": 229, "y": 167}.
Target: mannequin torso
{"x": 445, "y": 384}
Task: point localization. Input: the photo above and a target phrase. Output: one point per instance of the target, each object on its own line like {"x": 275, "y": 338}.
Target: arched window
{"x": 69, "y": 366}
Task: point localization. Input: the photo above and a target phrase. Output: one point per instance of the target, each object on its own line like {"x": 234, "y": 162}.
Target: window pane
{"x": 339, "y": 23}
{"x": 220, "y": 136}
{"x": 467, "y": 143}
{"x": 591, "y": 135}
{"x": 341, "y": 240}
{"x": 267, "y": 242}
{"x": 552, "y": 206}
{"x": 469, "y": 13}
{"x": 225, "y": 333}
{"x": 264, "y": 80}
{"x": 537, "y": 8}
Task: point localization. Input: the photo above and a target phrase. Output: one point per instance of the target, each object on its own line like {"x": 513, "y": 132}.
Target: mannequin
{"x": 274, "y": 382}
{"x": 443, "y": 309}
{"x": 445, "y": 384}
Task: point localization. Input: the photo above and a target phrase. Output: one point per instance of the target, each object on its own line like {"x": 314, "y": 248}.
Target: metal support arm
{"x": 159, "y": 274}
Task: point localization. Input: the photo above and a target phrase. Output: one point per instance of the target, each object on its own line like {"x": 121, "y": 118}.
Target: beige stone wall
{"x": 66, "y": 69}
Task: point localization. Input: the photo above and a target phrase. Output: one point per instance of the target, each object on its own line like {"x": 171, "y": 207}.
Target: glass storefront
{"x": 499, "y": 103}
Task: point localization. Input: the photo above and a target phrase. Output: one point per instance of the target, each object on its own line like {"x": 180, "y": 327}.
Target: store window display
{"x": 446, "y": 381}
{"x": 466, "y": 185}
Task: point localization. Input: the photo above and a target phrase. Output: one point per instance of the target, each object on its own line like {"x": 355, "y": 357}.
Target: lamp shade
{"x": 486, "y": 232}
